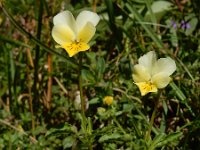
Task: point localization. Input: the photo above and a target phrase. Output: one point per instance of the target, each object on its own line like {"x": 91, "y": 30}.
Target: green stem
{"x": 13, "y": 41}
{"x": 81, "y": 88}
{"x": 84, "y": 123}
{"x": 152, "y": 118}
{"x": 119, "y": 126}
{"x": 9, "y": 80}
{"x": 36, "y": 61}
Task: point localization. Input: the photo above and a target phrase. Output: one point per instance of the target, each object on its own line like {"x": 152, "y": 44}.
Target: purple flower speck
{"x": 185, "y": 25}
{"x": 173, "y": 23}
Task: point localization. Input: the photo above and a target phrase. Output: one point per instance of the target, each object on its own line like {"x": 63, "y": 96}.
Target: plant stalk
{"x": 81, "y": 88}
{"x": 84, "y": 123}
{"x": 147, "y": 136}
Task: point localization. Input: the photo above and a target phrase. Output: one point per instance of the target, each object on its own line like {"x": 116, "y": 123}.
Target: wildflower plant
{"x": 50, "y": 101}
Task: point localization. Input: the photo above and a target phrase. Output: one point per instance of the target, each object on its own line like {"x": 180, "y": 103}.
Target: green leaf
{"x": 156, "y": 140}
{"x": 68, "y": 142}
{"x": 180, "y": 95}
{"x": 158, "y": 8}
{"x": 107, "y": 137}
{"x": 165, "y": 107}
{"x": 94, "y": 101}
{"x": 178, "y": 91}
{"x": 173, "y": 137}
{"x": 92, "y": 57}
{"x": 128, "y": 107}
{"x": 67, "y": 128}
{"x": 100, "y": 67}
{"x": 193, "y": 23}
{"x": 88, "y": 76}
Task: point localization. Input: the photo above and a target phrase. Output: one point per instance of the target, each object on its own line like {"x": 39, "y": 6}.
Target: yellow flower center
{"x": 146, "y": 87}
{"x": 73, "y": 48}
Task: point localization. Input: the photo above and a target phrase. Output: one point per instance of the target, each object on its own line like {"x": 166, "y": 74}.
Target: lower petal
{"x": 73, "y": 48}
{"x": 146, "y": 87}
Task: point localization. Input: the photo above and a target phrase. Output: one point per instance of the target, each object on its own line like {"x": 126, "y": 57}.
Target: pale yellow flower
{"x": 74, "y": 35}
{"x": 108, "y": 100}
{"x": 151, "y": 74}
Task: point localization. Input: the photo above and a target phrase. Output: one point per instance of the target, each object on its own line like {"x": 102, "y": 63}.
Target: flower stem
{"x": 84, "y": 121}
{"x": 147, "y": 136}
{"x": 81, "y": 88}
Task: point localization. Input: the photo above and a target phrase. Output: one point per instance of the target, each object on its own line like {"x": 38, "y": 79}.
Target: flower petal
{"x": 161, "y": 80}
{"x": 146, "y": 87}
{"x": 86, "y": 33}
{"x": 140, "y": 74}
{"x": 85, "y": 17}
{"x": 73, "y": 48}
{"x": 62, "y": 34}
{"x": 148, "y": 60}
{"x": 166, "y": 65}
{"x": 65, "y": 18}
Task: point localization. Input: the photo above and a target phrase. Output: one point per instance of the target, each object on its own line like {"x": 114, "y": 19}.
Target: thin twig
{"x": 61, "y": 86}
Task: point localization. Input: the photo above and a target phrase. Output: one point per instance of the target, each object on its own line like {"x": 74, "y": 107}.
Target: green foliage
{"x": 40, "y": 106}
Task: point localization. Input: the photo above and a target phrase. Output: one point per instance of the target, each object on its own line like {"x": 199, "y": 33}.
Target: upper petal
{"x": 65, "y": 18}
{"x": 86, "y": 33}
{"x": 62, "y": 34}
{"x": 166, "y": 65}
{"x": 140, "y": 74}
{"x": 148, "y": 60}
{"x": 161, "y": 80}
{"x": 85, "y": 17}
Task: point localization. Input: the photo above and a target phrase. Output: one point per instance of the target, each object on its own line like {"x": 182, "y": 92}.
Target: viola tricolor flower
{"x": 151, "y": 74}
{"x": 74, "y": 35}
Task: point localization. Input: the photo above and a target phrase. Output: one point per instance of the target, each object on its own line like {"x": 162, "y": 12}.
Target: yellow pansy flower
{"x": 151, "y": 74}
{"x": 74, "y": 35}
